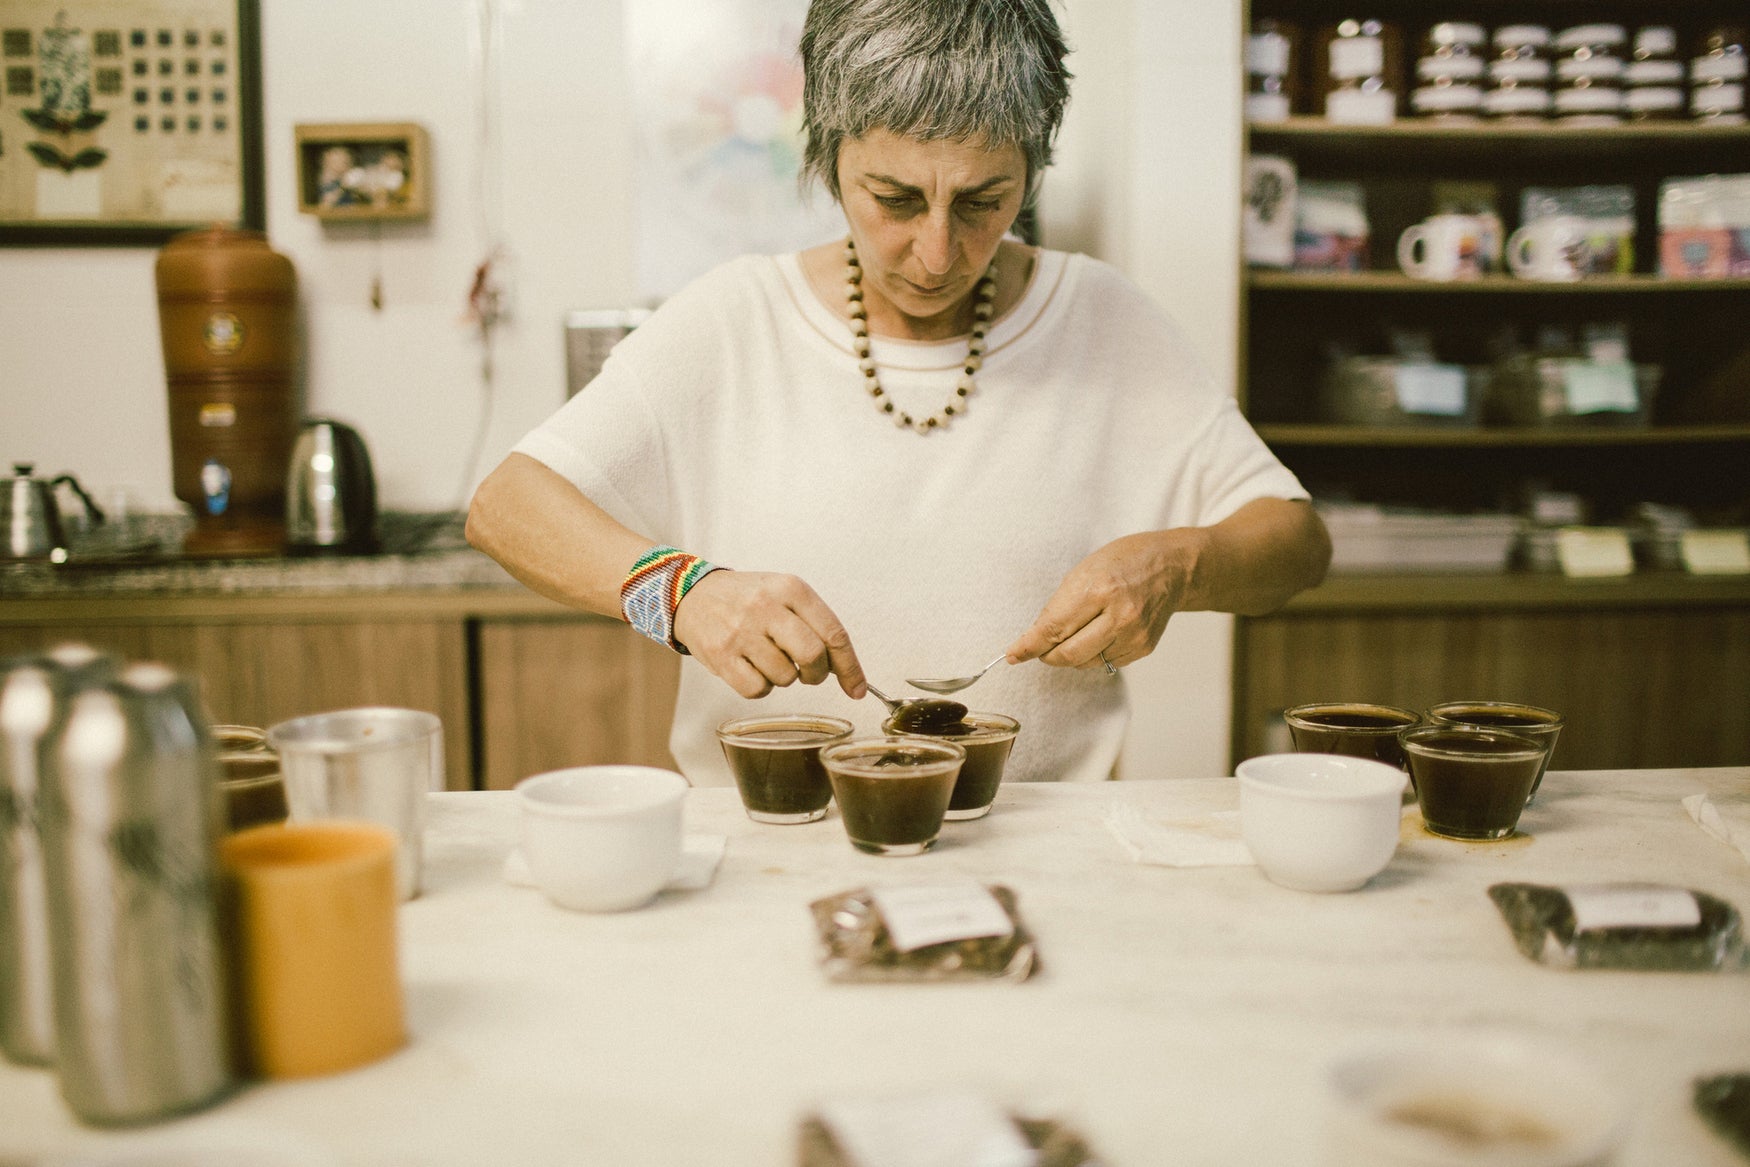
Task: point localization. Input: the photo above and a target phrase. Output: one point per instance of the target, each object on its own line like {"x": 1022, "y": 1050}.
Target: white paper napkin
{"x": 700, "y": 856}
{"x": 1733, "y": 832}
{"x": 1211, "y": 840}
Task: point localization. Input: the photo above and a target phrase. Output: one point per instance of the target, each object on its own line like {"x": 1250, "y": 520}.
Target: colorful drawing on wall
{"x": 717, "y": 108}
{"x": 125, "y": 121}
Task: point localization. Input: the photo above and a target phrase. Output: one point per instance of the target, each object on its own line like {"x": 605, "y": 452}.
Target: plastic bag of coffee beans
{"x": 859, "y": 942}
{"x": 1649, "y": 927}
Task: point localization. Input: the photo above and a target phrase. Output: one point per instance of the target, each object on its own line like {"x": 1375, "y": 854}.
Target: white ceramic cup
{"x": 377, "y": 764}
{"x": 602, "y": 838}
{"x": 1320, "y": 822}
{"x": 1469, "y": 1101}
{"x": 1443, "y": 247}
{"x": 1553, "y": 248}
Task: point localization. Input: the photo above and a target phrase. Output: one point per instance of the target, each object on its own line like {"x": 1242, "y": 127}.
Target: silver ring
{"x": 1110, "y": 670}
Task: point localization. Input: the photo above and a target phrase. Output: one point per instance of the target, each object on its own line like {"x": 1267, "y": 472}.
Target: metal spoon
{"x": 950, "y": 684}
{"x": 919, "y": 714}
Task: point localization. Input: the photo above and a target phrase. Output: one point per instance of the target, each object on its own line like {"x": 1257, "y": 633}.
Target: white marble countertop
{"x": 1182, "y": 1016}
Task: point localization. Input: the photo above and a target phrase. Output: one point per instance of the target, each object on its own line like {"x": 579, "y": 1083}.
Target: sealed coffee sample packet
{"x": 1650, "y": 927}
{"x": 952, "y": 931}
{"x": 937, "y": 1127}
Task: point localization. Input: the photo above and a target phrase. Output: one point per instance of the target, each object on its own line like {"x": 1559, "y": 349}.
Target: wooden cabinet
{"x": 1647, "y": 672}
{"x": 569, "y": 692}
{"x": 260, "y": 660}
{"x": 522, "y": 685}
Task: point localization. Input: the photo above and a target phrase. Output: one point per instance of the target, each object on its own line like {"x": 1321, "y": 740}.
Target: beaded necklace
{"x": 982, "y": 310}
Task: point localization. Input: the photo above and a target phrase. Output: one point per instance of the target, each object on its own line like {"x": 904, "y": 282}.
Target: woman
{"x": 1062, "y": 477}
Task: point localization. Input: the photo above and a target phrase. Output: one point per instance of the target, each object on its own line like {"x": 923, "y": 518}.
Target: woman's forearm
{"x": 551, "y": 537}
{"x": 1253, "y": 561}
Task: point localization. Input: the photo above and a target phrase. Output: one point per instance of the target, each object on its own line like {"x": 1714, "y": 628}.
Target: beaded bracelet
{"x": 653, "y": 589}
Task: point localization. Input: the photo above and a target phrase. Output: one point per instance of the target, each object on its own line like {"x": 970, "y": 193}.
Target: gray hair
{"x": 932, "y": 69}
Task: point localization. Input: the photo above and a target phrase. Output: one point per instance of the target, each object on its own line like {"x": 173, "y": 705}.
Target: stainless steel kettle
{"x": 331, "y": 495}
{"x": 32, "y": 520}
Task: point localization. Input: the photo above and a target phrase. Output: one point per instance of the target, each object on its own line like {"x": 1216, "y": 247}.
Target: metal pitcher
{"x": 31, "y": 521}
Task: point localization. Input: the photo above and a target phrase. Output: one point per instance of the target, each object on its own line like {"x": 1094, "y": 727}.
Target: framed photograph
{"x": 125, "y": 122}
{"x": 374, "y": 170}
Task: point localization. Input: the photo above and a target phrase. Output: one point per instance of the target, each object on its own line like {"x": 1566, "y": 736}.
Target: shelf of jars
{"x": 1606, "y": 137}
{"x": 1288, "y": 434}
{"x": 1395, "y": 282}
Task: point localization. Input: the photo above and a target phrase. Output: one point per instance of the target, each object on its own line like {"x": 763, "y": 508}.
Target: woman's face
{"x": 927, "y": 217}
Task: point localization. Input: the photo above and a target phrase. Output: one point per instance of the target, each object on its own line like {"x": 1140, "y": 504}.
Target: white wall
{"x": 1147, "y": 178}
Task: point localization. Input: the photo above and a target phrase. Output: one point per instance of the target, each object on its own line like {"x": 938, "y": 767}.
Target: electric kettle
{"x": 32, "y": 520}
{"x": 331, "y": 496}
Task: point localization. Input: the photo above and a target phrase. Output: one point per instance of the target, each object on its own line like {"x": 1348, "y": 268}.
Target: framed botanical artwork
{"x": 126, "y": 121}
{"x": 363, "y": 170}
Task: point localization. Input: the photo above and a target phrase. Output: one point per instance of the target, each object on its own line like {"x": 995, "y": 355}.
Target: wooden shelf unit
{"x": 1652, "y": 669}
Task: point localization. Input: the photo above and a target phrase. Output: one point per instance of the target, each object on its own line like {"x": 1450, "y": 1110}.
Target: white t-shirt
{"x": 735, "y": 424}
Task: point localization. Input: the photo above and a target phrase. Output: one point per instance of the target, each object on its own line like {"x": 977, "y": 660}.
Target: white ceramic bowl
{"x": 1469, "y": 1101}
{"x": 1320, "y": 822}
{"x": 602, "y": 838}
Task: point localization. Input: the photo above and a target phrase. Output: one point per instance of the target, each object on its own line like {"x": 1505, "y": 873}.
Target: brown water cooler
{"x": 227, "y": 310}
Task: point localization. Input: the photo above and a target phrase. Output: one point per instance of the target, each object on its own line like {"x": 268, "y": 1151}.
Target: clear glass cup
{"x": 1472, "y": 783}
{"x": 1355, "y": 729}
{"x": 776, "y": 762}
{"x": 987, "y": 739}
{"x": 893, "y": 791}
{"x": 1543, "y": 725}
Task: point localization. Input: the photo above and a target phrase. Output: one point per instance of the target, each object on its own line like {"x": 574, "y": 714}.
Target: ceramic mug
{"x": 1554, "y": 249}
{"x": 602, "y": 838}
{"x": 1445, "y": 247}
{"x": 312, "y": 925}
{"x": 1320, "y": 822}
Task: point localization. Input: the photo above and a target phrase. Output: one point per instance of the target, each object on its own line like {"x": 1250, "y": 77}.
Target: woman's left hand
{"x": 1115, "y": 603}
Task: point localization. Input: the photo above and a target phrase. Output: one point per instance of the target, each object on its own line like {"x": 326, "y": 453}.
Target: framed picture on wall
{"x": 364, "y": 170}
{"x": 123, "y": 122}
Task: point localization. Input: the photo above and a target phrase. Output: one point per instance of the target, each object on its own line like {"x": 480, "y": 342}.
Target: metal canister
{"x": 29, "y": 686}
{"x": 130, "y": 823}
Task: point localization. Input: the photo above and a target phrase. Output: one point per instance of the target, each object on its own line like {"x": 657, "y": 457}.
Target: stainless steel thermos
{"x": 129, "y": 819}
{"x": 28, "y": 690}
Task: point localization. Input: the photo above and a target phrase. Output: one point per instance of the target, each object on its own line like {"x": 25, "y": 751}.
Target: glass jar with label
{"x": 1452, "y": 51}
{"x": 1588, "y": 73}
{"x": 1717, "y": 75}
{"x": 1652, "y": 79}
{"x": 1518, "y": 73}
{"x": 1272, "y": 80}
{"x": 1359, "y": 70}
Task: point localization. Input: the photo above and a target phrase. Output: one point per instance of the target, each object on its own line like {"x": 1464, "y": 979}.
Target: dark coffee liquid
{"x": 778, "y": 771}
{"x": 982, "y": 772}
{"x": 1360, "y": 731}
{"x": 1496, "y": 718}
{"x": 929, "y": 715}
{"x": 900, "y": 803}
{"x": 1475, "y": 786}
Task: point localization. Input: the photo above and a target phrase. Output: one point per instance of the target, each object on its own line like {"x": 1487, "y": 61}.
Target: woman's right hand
{"x": 760, "y": 631}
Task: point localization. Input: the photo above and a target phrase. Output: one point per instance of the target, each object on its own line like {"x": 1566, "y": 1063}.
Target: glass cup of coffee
{"x": 893, "y": 791}
{"x": 249, "y": 777}
{"x": 1472, "y": 782}
{"x": 1356, "y": 729}
{"x": 987, "y": 739}
{"x": 1543, "y": 725}
{"x": 776, "y": 762}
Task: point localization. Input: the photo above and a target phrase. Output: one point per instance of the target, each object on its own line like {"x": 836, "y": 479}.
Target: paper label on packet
{"x": 920, "y": 915}
{"x": 1598, "y": 906}
{"x": 927, "y": 1130}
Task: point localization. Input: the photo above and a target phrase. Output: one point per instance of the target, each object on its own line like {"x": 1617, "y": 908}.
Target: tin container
{"x": 29, "y": 686}
{"x": 130, "y": 823}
